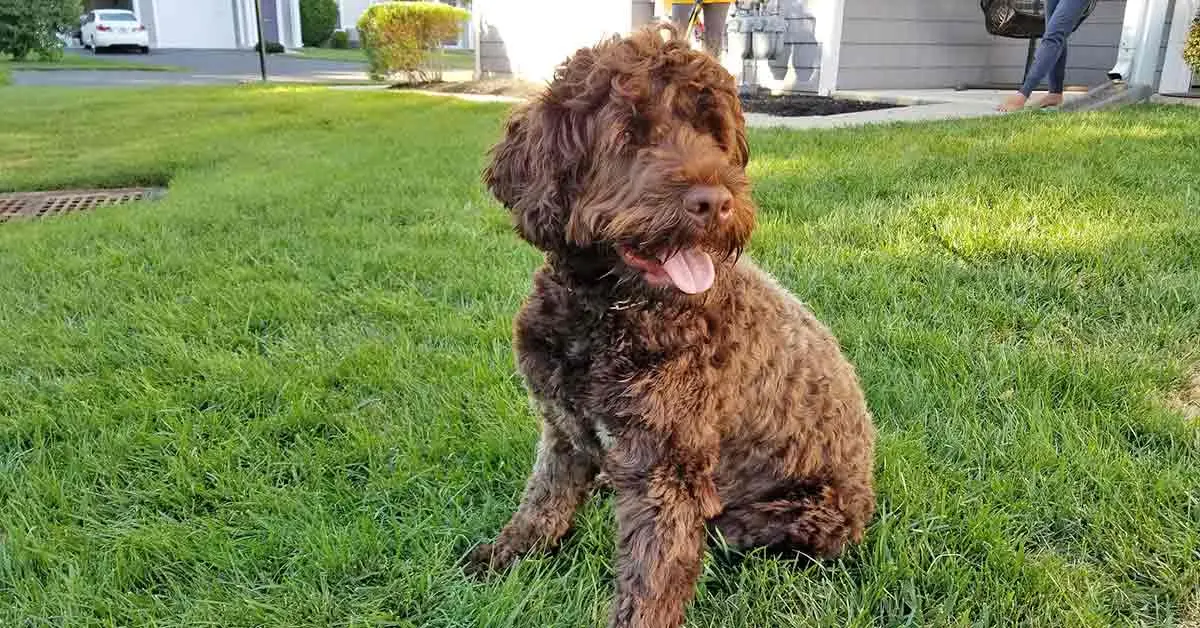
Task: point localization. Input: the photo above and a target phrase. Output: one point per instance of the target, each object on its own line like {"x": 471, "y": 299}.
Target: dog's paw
{"x": 482, "y": 560}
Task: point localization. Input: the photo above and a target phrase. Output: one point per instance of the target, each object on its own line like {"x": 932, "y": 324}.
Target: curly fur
{"x": 731, "y": 410}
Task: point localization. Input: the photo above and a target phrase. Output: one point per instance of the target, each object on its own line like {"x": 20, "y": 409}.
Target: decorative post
{"x": 262, "y": 45}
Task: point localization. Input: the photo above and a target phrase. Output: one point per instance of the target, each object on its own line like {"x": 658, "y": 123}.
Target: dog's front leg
{"x": 664, "y": 496}
{"x": 561, "y": 479}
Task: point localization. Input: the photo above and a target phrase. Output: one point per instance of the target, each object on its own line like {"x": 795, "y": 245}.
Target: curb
{"x": 890, "y": 99}
{"x": 467, "y": 97}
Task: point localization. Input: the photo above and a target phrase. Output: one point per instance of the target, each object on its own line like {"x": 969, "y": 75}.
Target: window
{"x": 117, "y": 16}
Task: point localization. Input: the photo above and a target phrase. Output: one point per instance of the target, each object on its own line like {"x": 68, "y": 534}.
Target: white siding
{"x": 528, "y": 38}
{"x": 512, "y": 38}
{"x": 289, "y": 23}
{"x": 350, "y": 10}
{"x": 145, "y": 13}
{"x": 194, "y": 24}
{"x": 1177, "y": 77}
{"x": 643, "y": 12}
{"x": 798, "y": 66}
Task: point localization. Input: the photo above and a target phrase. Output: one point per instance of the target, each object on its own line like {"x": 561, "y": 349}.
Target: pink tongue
{"x": 691, "y": 270}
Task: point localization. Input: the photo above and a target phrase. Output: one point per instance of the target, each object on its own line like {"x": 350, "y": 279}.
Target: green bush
{"x": 28, "y": 26}
{"x": 1191, "y": 49}
{"x": 400, "y": 36}
{"x": 273, "y": 47}
{"x": 318, "y": 18}
{"x": 340, "y": 40}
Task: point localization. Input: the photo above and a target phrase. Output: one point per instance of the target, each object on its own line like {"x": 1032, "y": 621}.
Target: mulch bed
{"x": 799, "y": 105}
{"x": 789, "y": 105}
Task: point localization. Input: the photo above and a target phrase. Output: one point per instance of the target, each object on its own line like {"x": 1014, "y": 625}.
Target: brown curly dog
{"x": 655, "y": 353}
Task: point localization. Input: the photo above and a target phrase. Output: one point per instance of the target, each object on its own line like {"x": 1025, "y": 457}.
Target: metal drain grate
{"x": 46, "y": 204}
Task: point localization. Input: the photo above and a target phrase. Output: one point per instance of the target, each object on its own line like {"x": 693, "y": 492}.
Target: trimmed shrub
{"x": 273, "y": 47}
{"x": 399, "y": 37}
{"x": 1191, "y": 49}
{"x": 29, "y": 26}
{"x": 340, "y": 40}
{"x": 318, "y": 18}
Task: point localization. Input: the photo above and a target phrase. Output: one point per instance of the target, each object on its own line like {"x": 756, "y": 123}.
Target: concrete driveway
{"x": 201, "y": 67}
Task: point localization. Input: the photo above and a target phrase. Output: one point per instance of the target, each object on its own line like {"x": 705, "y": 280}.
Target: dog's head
{"x": 634, "y": 158}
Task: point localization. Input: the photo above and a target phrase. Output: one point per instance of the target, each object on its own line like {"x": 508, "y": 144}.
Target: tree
{"x": 1191, "y": 49}
{"x": 318, "y": 18}
{"x": 399, "y": 37}
{"x": 29, "y": 26}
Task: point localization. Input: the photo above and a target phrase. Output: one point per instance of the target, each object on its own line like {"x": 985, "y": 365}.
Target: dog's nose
{"x": 709, "y": 201}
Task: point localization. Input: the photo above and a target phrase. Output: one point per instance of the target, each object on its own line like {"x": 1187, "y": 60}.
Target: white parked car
{"x": 113, "y": 28}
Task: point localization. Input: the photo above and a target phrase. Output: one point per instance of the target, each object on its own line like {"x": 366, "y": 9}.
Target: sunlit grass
{"x": 284, "y": 395}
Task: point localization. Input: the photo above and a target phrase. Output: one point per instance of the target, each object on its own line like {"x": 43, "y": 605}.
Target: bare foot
{"x": 1049, "y": 100}
{"x": 1013, "y": 103}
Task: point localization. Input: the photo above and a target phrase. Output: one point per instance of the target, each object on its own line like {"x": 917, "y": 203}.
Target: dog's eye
{"x": 636, "y": 131}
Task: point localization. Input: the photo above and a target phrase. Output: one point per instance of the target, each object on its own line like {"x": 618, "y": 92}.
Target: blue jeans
{"x": 1062, "y": 16}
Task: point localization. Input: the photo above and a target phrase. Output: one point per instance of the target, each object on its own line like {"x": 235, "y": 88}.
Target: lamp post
{"x": 262, "y": 45}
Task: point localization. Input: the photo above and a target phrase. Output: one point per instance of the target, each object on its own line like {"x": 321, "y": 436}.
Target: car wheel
{"x": 145, "y": 50}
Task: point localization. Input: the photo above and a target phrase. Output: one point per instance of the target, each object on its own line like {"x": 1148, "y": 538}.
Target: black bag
{"x": 1021, "y": 19}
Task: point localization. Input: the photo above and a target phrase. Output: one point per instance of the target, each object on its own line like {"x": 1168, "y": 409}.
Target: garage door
{"x": 195, "y": 24}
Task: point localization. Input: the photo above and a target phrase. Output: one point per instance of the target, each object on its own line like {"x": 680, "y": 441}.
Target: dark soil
{"x": 798, "y": 105}
{"x": 791, "y": 105}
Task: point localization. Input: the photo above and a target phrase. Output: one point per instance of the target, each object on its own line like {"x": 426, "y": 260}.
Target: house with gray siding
{"x": 830, "y": 45}
{"x": 943, "y": 43}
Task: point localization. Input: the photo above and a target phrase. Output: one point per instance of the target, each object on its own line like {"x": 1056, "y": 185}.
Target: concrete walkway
{"x": 915, "y": 113}
{"x": 1190, "y": 101}
{"x": 919, "y": 105}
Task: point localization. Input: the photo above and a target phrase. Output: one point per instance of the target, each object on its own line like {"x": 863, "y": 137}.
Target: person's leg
{"x": 714, "y": 27}
{"x": 680, "y": 13}
{"x": 1061, "y": 18}
{"x": 1057, "y": 81}
{"x": 1058, "y": 75}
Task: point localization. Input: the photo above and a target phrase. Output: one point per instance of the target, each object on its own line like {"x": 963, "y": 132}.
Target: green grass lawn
{"x": 284, "y": 395}
{"x": 83, "y": 61}
{"x": 450, "y": 59}
{"x": 354, "y": 55}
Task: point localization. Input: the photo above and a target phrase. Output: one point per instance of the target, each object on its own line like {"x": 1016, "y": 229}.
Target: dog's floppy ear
{"x": 735, "y": 121}
{"x": 742, "y": 148}
{"x": 535, "y": 170}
